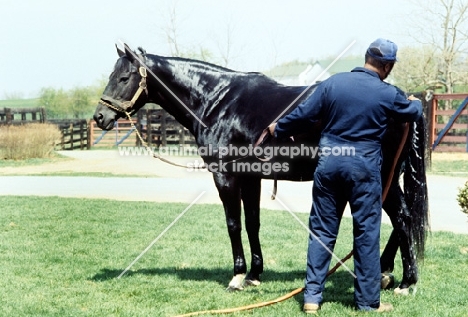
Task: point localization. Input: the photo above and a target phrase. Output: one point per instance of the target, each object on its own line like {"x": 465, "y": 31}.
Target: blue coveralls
{"x": 354, "y": 108}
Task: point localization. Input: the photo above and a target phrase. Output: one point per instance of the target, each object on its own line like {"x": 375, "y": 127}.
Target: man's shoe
{"x": 311, "y": 308}
{"x": 384, "y": 307}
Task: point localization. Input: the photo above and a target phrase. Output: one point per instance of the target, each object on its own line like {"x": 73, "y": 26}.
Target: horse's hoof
{"x": 249, "y": 282}
{"x": 406, "y": 291}
{"x": 237, "y": 283}
{"x": 387, "y": 281}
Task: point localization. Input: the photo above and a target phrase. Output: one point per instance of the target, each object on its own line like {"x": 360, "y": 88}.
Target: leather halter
{"x": 127, "y": 106}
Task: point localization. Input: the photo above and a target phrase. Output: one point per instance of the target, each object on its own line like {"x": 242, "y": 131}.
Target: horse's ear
{"x": 119, "y": 51}
{"x": 142, "y": 51}
{"x": 141, "y": 55}
{"x": 129, "y": 53}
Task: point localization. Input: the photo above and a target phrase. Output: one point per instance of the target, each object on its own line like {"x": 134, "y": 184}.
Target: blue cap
{"x": 383, "y": 50}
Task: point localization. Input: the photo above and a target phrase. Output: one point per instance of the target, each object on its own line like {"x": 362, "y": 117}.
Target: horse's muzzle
{"x": 104, "y": 117}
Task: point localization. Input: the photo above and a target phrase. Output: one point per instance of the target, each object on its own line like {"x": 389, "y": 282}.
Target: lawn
{"x": 33, "y": 161}
{"x": 62, "y": 256}
{"x": 455, "y": 164}
{"x": 19, "y": 103}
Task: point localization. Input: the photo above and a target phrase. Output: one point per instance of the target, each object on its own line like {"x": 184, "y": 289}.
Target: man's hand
{"x": 271, "y": 128}
{"x": 413, "y": 98}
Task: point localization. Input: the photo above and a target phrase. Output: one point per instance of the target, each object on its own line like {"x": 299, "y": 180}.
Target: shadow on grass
{"x": 221, "y": 276}
{"x": 339, "y": 289}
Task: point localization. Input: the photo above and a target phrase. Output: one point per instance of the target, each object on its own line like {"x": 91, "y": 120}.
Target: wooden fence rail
{"x": 75, "y": 134}
{"x": 22, "y": 115}
{"x": 158, "y": 128}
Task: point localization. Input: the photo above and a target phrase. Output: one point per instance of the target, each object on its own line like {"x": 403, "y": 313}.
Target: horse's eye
{"x": 124, "y": 79}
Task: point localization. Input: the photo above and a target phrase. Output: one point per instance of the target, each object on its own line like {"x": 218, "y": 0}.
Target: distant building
{"x": 312, "y": 74}
{"x": 304, "y": 73}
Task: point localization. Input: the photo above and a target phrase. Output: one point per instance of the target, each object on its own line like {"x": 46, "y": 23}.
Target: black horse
{"x": 224, "y": 108}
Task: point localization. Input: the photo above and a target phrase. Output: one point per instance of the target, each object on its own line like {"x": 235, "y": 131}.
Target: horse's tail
{"x": 415, "y": 185}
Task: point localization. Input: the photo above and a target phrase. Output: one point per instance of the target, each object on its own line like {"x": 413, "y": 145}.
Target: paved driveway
{"x": 165, "y": 183}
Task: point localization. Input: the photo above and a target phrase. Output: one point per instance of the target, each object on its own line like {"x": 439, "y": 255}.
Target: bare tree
{"x": 454, "y": 39}
{"x": 171, "y": 30}
{"x": 13, "y": 95}
{"x": 443, "y": 24}
{"x": 225, "y": 47}
{"x": 172, "y": 33}
{"x": 417, "y": 69}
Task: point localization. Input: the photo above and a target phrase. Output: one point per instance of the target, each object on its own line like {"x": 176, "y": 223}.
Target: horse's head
{"x": 125, "y": 92}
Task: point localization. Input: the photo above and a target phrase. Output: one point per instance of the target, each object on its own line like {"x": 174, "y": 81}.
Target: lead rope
{"x": 265, "y": 133}
{"x": 155, "y": 155}
{"x": 330, "y": 272}
{"x": 145, "y": 144}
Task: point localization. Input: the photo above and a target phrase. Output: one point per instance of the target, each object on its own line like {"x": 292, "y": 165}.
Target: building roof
{"x": 342, "y": 65}
{"x": 304, "y": 73}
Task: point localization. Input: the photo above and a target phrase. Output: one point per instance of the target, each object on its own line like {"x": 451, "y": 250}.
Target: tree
{"x": 81, "y": 102}
{"x": 455, "y": 40}
{"x": 54, "y": 101}
{"x": 417, "y": 69}
{"x": 78, "y": 102}
{"x": 171, "y": 31}
{"x": 13, "y": 95}
{"x": 443, "y": 24}
{"x": 225, "y": 43}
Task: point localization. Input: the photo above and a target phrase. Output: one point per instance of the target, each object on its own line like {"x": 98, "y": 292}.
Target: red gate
{"x": 448, "y": 132}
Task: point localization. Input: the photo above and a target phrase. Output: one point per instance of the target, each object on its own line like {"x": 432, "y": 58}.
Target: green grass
{"x": 54, "y": 157}
{"x": 61, "y": 257}
{"x": 19, "y": 103}
{"x": 445, "y": 167}
{"x": 28, "y": 162}
{"x": 89, "y": 174}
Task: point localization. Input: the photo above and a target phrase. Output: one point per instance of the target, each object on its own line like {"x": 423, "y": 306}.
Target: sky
{"x": 69, "y": 44}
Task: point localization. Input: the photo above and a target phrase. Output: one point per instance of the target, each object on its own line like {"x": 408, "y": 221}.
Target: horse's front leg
{"x": 250, "y": 193}
{"x": 229, "y": 191}
{"x": 398, "y": 212}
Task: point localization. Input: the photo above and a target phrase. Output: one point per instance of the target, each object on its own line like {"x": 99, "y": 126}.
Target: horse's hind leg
{"x": 387, "y": 261}
{"x": 398, "y": 212}
{"x": 250, "y": 193}
{"x": 229, "y": 191}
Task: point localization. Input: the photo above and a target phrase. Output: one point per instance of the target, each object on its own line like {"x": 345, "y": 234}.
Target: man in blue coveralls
{"x": 354, "y": 109}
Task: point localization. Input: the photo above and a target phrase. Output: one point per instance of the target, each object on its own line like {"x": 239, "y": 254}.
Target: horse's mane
{"x": 205, "y": 67}
{"x": 123, "y": 64}
{"x": 200, "y": 63}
